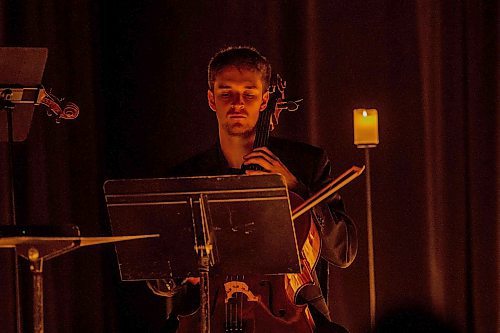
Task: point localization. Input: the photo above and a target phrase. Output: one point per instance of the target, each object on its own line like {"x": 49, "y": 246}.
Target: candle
{"x": 365, "y": 127}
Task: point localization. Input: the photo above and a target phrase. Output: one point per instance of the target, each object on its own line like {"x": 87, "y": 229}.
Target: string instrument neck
{"x": 264, "y": 127}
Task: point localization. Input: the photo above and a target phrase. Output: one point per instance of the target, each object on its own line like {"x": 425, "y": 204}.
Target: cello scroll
{"x": 281, "y": 103}
{"x": 57, "y": 107}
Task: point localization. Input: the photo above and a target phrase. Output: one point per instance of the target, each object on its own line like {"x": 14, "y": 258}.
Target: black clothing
{"x": 311, "y": 166}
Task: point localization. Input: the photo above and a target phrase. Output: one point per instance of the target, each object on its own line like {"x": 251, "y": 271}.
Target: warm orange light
{"x": 365, "y": 127}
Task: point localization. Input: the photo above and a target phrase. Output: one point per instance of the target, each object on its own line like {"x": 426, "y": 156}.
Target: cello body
{"x": 258, "y": 306}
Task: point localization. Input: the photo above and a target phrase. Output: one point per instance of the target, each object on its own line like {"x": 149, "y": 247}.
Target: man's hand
{"x": 193, "y": 280}
{"x": 271, "y": 164}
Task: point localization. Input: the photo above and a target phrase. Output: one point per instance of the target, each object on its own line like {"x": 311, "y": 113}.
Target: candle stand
{"x": 366, "y": 137}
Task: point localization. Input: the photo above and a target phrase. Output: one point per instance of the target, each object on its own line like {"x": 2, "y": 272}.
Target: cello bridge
{"x": 235, "y": 287}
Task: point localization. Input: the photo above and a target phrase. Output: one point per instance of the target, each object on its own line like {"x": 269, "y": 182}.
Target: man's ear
{"x": 265, "y": 99}
{"x": 211, "y": 99}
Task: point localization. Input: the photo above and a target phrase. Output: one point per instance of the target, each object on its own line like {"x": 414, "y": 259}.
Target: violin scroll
{"x": 70, "y": 111}
{"x": 67, "y": 111}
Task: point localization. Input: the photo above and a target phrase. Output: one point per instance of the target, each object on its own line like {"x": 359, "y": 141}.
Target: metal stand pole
{"x": 204, "y": 295}
{"x": 36, "y": 268}
{"x": 371, "y": 261}
{"x": 206, "y": 258}
{"x": 8, "y": 106}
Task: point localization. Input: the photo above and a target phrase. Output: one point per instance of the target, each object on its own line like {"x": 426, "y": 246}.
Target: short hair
{"x": 242, "y": 57}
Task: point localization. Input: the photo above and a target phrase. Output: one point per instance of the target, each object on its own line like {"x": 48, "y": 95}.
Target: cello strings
{"x": 238, "y": 296}
{"x": 226, "y": 320}
{"x": 241, "y": 310}
{"x": 227, "y": 312}
{"x": 233, "y": 311}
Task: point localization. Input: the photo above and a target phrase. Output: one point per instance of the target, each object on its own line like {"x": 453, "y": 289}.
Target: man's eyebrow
{"x": 226, "y": 86}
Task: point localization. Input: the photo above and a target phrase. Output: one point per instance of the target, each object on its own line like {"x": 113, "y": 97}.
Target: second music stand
{"x": 41, "y": 243}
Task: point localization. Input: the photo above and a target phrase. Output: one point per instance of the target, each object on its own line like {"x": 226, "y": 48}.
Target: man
{"x": 238, "y": 80}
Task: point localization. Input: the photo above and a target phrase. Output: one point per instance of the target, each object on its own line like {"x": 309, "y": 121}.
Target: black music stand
{"x": 228, "y": 224}
{"x": 41, "y": 243}
{"x": 21, "y": 71}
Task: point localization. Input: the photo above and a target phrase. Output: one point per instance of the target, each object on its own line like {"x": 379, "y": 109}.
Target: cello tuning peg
{"x": 294, "y": 105}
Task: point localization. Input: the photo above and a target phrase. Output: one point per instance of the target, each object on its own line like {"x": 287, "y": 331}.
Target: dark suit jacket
{"x": 312, "y": 168}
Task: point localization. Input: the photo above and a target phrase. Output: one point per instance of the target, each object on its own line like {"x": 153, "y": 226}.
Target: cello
{"x": 259, "y": 303}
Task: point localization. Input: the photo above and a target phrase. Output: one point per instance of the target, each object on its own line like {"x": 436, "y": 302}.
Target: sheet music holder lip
{"x": 21, "y": 235}
{"x": 11, "y": 242}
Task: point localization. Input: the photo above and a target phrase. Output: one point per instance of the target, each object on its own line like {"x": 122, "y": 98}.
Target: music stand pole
{"x": 205, "y": 253}
{"x": 8, "y": 107}
{"x": 204, "y": 294}
{"x": 36, "y": 268}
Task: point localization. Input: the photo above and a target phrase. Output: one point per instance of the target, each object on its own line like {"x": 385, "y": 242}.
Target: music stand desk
{"x": 20, "y": 67}
{"x": 248, "y": 217}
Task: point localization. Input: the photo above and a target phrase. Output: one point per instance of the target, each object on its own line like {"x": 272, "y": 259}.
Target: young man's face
{"x": 237, "y": 99}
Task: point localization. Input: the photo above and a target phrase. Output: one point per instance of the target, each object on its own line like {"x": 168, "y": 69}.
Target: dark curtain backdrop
{"x": 137, "y": 69}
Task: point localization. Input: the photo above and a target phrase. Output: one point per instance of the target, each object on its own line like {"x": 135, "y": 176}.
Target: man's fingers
{"x": 264, "y": 152}
{"x": 258, "y": 155}
{"x": 192, "y": 280}
{"x": 255, "y": 172}
{"x": 267, "y": 152}
{"x": 260, "y": 160}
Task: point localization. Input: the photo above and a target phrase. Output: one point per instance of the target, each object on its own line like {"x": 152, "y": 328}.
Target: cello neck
{"x": 264, "y": 126}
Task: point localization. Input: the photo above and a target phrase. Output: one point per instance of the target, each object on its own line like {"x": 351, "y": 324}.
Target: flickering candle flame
{"x": 365, "y": 127}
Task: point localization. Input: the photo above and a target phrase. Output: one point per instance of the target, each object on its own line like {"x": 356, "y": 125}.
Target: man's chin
{"x": 240, "y": 131}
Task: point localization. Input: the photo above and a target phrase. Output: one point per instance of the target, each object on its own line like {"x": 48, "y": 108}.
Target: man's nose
{"x": 238, "y": 100}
